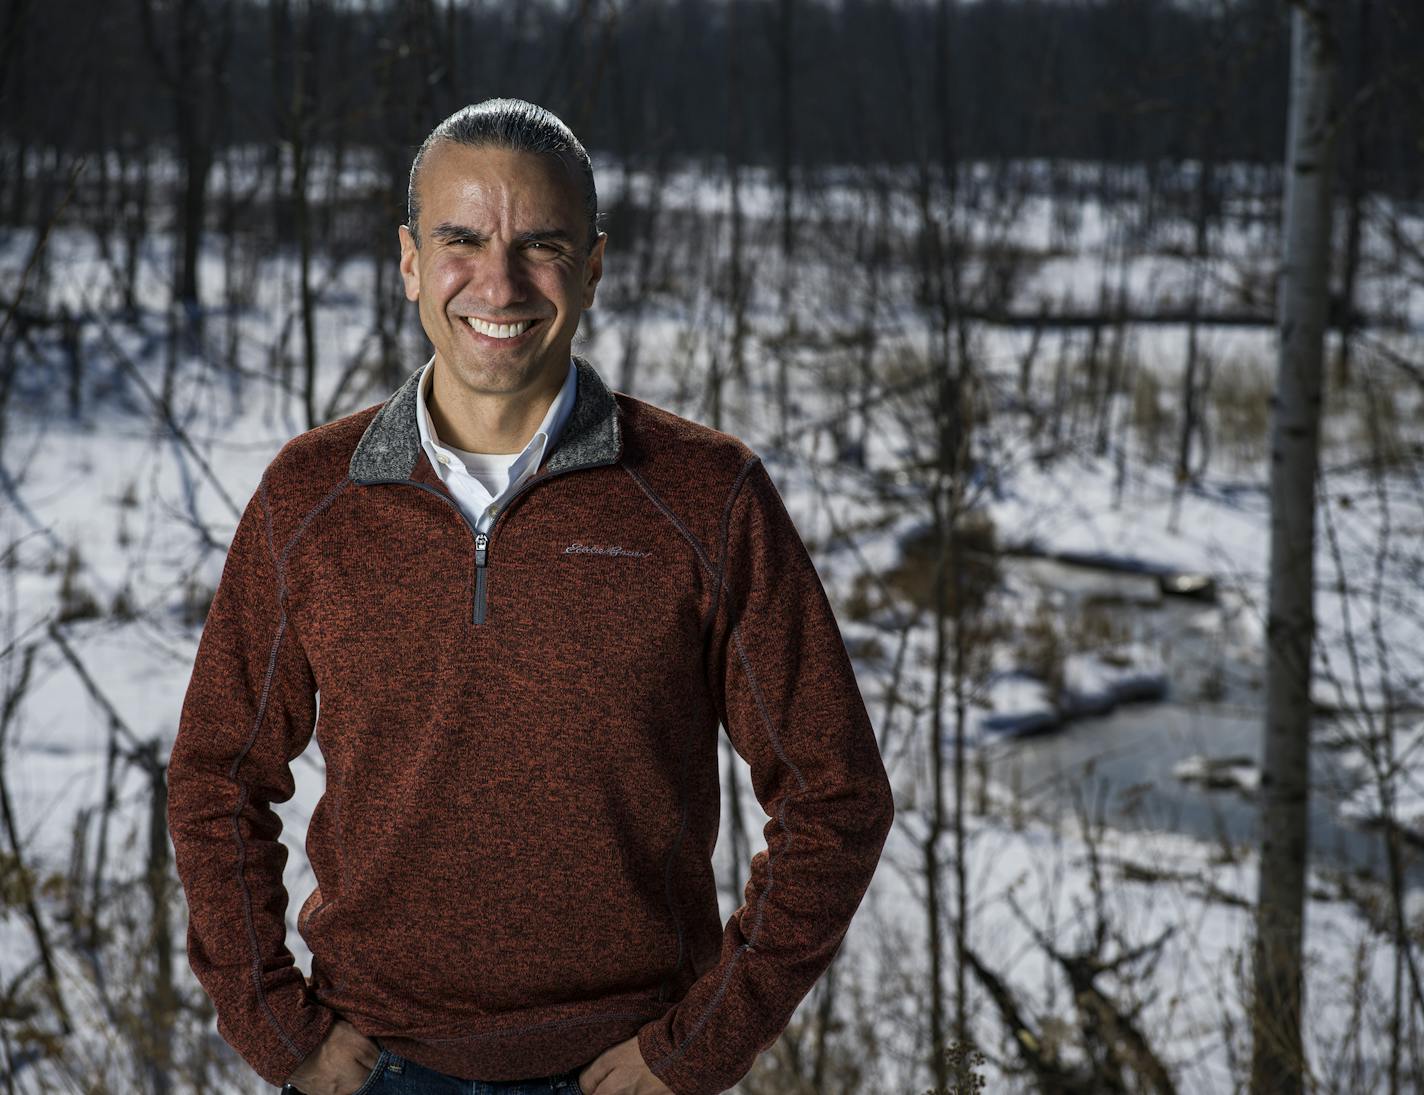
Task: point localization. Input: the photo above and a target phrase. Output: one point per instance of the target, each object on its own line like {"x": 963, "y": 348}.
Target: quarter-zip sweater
{"x": 513, "y": 852}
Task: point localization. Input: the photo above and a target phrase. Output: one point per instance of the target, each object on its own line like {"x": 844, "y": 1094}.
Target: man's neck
{"x": 487, "y": 423}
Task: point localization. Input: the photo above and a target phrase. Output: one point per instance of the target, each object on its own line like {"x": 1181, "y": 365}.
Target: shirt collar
{"x": 532, "y": 455}
{"x": 389, "y": 449}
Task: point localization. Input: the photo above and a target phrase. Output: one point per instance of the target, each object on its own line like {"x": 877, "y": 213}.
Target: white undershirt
{"x": 481, "y": 481}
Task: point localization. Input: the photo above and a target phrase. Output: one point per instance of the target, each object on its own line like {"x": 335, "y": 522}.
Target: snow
{"x": 66, "y": 481}
{"x": 1239, "y": 772}
{"x": 1400, "y": 777}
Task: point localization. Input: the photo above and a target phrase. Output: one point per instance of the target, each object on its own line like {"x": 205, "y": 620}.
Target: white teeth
{"x": 499, "y": 330}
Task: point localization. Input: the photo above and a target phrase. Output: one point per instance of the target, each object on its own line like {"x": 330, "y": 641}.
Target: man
{"x": 527, "y": 603}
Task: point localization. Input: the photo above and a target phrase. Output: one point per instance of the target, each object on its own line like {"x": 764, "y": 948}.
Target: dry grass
{"x": 1240, "y": 400}
{"x": 1154, "y": 418}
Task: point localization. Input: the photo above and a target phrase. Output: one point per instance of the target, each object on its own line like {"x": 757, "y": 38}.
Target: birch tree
{"x": 1277, "y": 1063}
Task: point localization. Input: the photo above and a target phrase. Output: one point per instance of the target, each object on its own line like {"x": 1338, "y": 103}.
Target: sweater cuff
{"x": 275, "y": 1057}
{"x": 675, "y": 1074}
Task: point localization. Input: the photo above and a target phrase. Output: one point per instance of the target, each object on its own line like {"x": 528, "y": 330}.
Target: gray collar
{"x": 390, "y": 447}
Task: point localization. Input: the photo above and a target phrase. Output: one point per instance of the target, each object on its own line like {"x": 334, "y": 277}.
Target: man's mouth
{"x": 500, "y": 331}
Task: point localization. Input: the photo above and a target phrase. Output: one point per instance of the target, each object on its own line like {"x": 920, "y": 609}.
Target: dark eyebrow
{"x": 543, "y": 234}
{"x": 447, "y": 231}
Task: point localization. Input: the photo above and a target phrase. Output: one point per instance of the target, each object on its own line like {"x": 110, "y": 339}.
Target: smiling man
{"x": 527, "y": 603}
{"x": 502, "y": 257}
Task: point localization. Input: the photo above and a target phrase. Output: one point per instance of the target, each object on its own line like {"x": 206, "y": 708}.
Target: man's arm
{"x": 250, "y": 709}
{"x": 794, "y": 712}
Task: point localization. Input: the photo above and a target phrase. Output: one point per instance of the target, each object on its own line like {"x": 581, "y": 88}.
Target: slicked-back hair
{"x": 517, "y": 126}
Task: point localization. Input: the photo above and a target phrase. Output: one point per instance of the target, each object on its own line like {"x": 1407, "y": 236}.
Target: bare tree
{"x": 188, "y": 71}
{"x": 1277, "y": 1063}
{"x": 1355, "y": 180}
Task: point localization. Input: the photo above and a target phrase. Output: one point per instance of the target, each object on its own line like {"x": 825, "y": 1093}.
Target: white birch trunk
{"x": 1278, "y": 1064}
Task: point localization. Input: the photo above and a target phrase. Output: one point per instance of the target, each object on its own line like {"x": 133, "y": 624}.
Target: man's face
{"x": 503, "y": 241}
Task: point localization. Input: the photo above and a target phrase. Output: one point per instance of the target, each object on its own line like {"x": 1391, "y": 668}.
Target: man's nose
{"x": 497, "y": 280}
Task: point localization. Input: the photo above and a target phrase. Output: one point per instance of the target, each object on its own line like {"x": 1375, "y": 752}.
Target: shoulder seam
{"x": 667, "y": 511}
{"x": 724, "y": 532}
{"x": 715, "y": 570}
{"x": 280, "y": 561}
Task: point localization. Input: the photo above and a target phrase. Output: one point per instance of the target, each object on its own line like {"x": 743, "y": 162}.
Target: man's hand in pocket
{"x": 339, "y": 1065}
{"x": 621, "y": 1070}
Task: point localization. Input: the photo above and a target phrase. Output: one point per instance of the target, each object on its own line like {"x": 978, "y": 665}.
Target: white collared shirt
{"x": 480, "y": 481}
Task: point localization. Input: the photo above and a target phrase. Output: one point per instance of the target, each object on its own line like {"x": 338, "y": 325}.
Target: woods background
{"x": 1003, "y": 292}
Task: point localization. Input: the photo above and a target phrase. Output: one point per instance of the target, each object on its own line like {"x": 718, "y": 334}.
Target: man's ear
{"x": 595, "y": 270}
{"x": 410, "y": 273}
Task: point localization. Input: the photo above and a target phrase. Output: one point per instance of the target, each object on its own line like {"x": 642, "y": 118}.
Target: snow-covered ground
{"x": 116, "y": 488}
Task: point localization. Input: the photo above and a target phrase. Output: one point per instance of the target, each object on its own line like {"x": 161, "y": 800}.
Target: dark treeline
{"x": 1106, "y": 80}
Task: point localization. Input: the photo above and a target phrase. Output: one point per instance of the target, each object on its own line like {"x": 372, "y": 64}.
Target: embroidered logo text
{"x": 577, "y": 548}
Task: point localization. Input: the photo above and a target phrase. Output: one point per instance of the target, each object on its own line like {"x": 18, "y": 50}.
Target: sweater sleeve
{"x": 793, "y": 710}
{"x": 250, "y": 709}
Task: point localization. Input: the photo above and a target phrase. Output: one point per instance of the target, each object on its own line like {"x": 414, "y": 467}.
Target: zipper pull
{"x": 481, "y": 543}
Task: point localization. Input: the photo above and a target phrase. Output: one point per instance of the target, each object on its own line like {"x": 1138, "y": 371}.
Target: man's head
{"x": 517, "y": 126}
{"x": 503, "y": 231}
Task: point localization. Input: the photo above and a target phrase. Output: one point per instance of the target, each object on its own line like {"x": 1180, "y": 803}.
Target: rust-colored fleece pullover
{"x": 513, "y": 851}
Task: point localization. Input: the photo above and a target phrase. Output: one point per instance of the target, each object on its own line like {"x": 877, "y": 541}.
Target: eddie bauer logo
{"x": 577, "y": 548}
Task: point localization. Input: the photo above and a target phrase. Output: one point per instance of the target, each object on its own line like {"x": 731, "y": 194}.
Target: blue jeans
{"x": 397, "y": 1075}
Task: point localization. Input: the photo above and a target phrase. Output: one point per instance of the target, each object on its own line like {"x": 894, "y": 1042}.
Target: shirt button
{"x": 443, "y": 459}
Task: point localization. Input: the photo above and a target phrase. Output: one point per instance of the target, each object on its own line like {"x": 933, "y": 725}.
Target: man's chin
{"x": 506, "y": 371}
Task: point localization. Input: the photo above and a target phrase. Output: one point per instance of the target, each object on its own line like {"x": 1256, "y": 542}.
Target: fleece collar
{"x": 390, "y": 447}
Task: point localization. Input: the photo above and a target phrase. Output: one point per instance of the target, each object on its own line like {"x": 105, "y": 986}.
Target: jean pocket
{"x": 375, "y": 1077}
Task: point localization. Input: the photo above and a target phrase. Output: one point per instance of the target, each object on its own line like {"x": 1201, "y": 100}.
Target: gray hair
{"x": 515, "y": 125}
